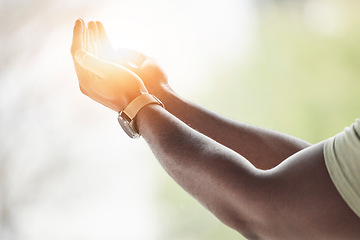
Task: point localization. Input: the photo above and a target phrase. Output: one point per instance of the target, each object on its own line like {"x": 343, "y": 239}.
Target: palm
{"x": 106, "y": 82}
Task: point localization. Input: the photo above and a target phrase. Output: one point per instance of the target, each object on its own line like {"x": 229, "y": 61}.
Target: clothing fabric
{"x": 342, "y": 158}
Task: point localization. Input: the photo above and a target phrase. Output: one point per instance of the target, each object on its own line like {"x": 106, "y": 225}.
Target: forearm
{"x": 215, "y": 175}
{"x": 263, "y": 148}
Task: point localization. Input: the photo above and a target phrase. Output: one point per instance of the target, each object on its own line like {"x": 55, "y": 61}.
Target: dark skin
{"x": 264, "y": 184}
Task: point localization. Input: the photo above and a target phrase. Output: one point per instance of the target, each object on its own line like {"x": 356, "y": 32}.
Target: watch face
{"x": 129, "y": 127}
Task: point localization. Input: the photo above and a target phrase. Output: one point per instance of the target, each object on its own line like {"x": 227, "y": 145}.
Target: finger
{"x": 81, "y": 33}
{"x": 93, "y": 27}
{"x": 77, "y": 37}
{"x": 83, "y": 29}
{"x": 92, "y": 32}
{"x": 77, "y": 43}
{"x": 102, "y": 32}
{"x": 95, "y": 37}
{"x": 86, "y": 38}
{"x": 104, "y": 42}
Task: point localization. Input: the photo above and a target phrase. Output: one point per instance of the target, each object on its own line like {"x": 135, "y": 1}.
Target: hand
{"x": 106, "y": 82}
{"x": 145, "y": 67}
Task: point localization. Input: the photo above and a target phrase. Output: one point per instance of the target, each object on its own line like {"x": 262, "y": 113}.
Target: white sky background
{"x": 67, "y": 169}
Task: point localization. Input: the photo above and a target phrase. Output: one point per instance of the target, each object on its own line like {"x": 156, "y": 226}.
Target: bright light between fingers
{"x": 188, "y": 38}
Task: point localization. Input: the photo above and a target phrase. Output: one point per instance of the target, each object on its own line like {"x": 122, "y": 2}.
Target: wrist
{"x": 165, "y": 93}
{"x": 146, "y": 114}
{"x": 132, "y": 95}
{"x": 127, "y": 116}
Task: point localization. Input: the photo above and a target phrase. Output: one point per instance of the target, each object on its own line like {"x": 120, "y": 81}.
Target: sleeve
{"x": 342, "y": 158}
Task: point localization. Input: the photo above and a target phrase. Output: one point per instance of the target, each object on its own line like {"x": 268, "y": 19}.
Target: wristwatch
{"x": 127, "y": 116}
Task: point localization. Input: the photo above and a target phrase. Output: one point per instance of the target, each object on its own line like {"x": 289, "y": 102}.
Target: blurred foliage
{"x": 298, "y": 79}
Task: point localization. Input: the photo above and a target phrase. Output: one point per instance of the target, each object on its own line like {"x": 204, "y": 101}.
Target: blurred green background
{"x": 302, "y": 78}
{"x": 67, "y": 171}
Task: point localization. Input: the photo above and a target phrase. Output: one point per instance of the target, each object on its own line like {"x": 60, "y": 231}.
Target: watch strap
{"x": 138, "y": 103}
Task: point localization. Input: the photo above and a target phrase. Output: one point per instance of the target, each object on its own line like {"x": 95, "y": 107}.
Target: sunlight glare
{"x": 191, "y": 35}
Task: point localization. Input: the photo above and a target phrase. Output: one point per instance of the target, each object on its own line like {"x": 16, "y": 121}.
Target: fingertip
{"x": 100, "y": 26}
{"x": 98, "y": 23}
{"x": 77, "y": 36}
{"x": 77, "y": 24}
{"x": 83, "y": 24}
{"x": 102, "y": 32}
{"x": 91, "y": 24}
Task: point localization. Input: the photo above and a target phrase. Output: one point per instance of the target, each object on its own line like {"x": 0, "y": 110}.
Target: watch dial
{"x": 129, "y": 128}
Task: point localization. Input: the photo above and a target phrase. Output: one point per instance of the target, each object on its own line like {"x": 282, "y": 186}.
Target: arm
{"x": 237, "y": 136}
{"x": 264, "y": 148}
{"x": 295, "y": 200}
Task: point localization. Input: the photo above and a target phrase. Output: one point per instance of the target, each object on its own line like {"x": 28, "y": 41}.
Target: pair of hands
{"x": 112, "y": 78}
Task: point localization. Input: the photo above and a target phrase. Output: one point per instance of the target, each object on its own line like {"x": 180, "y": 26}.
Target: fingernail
{"x": 77, "y": 22}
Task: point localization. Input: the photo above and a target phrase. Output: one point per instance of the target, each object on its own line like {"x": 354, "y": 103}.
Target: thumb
{"x": 92, "y": 63}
